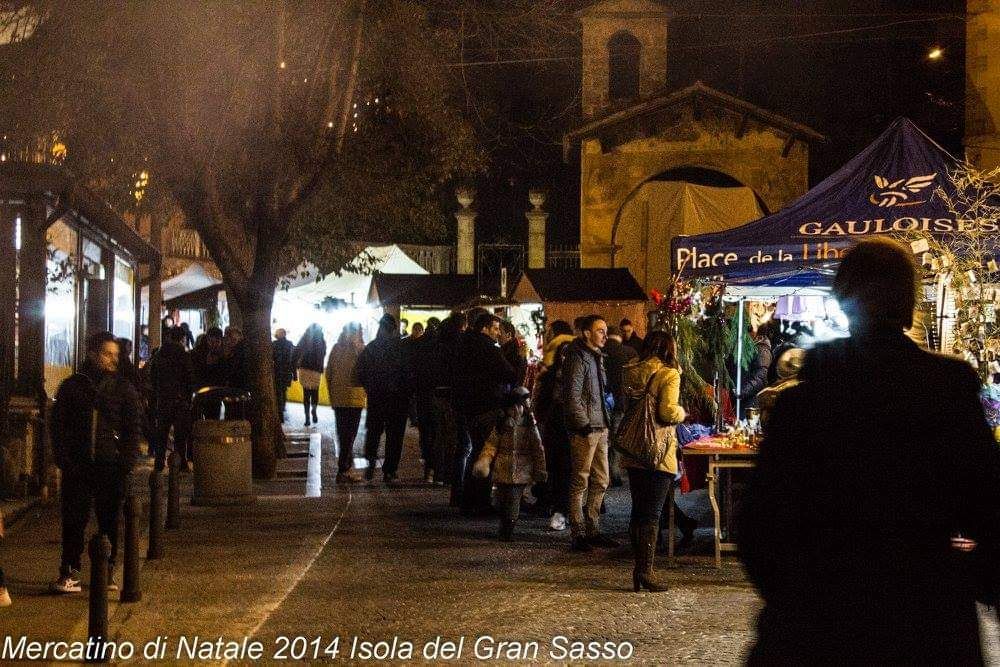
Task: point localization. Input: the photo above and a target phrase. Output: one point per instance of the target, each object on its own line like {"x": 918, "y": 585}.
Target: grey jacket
{"x": 584, "y": 385}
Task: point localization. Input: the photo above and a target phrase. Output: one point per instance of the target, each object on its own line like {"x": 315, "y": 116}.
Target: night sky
{"x": 844, "y": 68}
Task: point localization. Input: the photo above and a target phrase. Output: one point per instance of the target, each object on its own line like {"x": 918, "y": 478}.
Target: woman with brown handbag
{"x": 657, "y": 380}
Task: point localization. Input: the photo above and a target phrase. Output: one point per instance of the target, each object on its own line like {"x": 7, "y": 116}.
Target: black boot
{"x": 637, "y": 554}
{"x": 642, "y": 575}
{"x": 506, "y": 533}
{"x": 686, "y": 525}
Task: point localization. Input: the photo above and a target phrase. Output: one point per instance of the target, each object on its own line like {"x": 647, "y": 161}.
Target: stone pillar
{"x": 536, "y": 229}
{"x": 8, "y": 302}
{"x": 155, "y": 283}
{"x": 465, "y": 258}
{"x": 982, "y": 83}
{"x": 31, "y": 310}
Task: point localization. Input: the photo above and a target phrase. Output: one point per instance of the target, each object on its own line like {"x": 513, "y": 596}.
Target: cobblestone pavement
{"x": 403, "y": 564}
{"x": 314, "y": 560}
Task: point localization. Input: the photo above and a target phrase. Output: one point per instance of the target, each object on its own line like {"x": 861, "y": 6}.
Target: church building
{"x": 655, "y": 163}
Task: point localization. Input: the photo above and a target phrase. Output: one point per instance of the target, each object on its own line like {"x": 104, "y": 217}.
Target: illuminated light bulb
{"x": 936, "y": 53}
{"x": 282, "y": 64}
{"x": 330, "y": 124}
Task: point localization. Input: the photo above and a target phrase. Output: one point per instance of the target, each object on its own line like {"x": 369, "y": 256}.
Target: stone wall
{"x": 982, "y": 106}
{"x": 610, "y": 178}
{"x": 644, "y": 21}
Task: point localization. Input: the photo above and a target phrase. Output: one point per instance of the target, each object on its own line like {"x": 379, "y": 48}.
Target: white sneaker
{"x": 557, "y": 522}
{"x": 68, "y": 584}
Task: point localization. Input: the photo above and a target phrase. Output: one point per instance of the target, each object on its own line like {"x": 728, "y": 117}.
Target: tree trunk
{"x": 268, "y": 438}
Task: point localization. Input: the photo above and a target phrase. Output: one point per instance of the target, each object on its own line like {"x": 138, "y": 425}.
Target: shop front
{"x": 74, "y": 269}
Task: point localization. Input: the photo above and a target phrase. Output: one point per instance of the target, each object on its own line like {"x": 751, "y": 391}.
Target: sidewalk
{"x": 223, "y": 569}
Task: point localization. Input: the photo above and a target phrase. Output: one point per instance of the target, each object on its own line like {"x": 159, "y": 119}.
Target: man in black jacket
{"x": 380, "y": 371}
{"x": 868, "y": 469}
{"x": 171, "y": 375}
{"x": 96, "y": 424}
{"x": 617, "y": 355}
{"x": 482, "y": 375}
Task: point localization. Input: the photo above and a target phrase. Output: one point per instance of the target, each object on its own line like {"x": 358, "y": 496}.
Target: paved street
{"x": 317, "y": 561}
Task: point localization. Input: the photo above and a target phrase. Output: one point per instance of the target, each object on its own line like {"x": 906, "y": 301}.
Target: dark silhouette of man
{"x": 867, "y": 470}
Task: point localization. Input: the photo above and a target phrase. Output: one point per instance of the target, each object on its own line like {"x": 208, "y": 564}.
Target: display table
{"x": 719, "y": 456}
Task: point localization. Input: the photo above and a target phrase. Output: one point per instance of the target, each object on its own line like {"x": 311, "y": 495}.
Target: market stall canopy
{"x": 194, "y": 278}
{"x": 889, "y": 188}
{"x": 799, "y": 282}
{"x": 439, "y": 291}
{"x": 350, "y": 286}
{"x": 566, "y": 294}
{"x": 578, "y": 285}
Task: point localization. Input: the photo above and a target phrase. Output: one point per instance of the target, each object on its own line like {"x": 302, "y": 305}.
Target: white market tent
{"x": 302, "y": 303}
{"x": 193, "y": 278}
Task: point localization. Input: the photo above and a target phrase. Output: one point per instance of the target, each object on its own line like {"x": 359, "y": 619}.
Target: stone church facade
{"x": 982, "y": 66}
{"x": 634, "y": 131}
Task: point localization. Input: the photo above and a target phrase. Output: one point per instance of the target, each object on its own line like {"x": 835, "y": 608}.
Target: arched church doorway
{"x": 684, "y": 200}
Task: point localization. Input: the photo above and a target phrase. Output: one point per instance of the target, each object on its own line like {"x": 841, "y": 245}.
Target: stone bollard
{"x": 131, "y": 592}
{"x": 174, "y": 493}
{"x": 155, "y": 550}
{"x": 97, "y": 619}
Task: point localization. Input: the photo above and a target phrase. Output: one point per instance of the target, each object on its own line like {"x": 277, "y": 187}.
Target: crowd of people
{"x": 847, "y": 527}
{"x": 486, "y": 420}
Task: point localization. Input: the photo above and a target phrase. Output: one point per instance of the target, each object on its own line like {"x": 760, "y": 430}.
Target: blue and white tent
{"x": 889, "y": 188}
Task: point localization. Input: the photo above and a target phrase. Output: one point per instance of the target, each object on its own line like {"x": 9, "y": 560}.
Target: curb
{"x": 13, "y": 511}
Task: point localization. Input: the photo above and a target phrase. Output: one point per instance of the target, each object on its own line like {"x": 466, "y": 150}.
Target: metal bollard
{"x": 131, "y": 591}
{"x": 174, "y": 493}
{"x": 97, "y": 619}
{"x": 155, "y": 550}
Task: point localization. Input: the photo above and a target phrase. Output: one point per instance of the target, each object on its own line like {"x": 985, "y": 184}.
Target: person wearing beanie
{"x": 514, "y": 450}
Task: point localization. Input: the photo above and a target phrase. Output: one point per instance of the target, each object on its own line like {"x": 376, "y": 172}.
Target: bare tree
{"x": 283, "y": 129}
{"x": 964, "y": 260}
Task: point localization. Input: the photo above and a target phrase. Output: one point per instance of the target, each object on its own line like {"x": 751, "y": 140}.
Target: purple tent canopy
{"x": 889, "y": 188}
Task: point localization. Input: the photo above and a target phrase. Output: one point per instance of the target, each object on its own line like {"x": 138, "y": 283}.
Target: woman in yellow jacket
{"x": 346, "y": 398}
{"x": 658, "y": 373}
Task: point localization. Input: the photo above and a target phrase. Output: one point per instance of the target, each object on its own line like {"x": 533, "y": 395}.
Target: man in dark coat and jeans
{"x": 867, "y": 470}
{"x": 380, "y": 371}
{"x": 96, "y": 423}
{"x": 483, "y": 374}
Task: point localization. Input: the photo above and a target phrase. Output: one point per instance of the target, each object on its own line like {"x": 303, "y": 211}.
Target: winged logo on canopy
{"x": 898, "y": 193}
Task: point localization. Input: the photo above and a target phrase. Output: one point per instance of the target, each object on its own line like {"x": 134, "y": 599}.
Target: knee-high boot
{"x": 645, "y": 552}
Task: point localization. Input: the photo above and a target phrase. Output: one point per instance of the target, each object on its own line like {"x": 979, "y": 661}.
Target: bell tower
{"x": 624, "y": 52}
